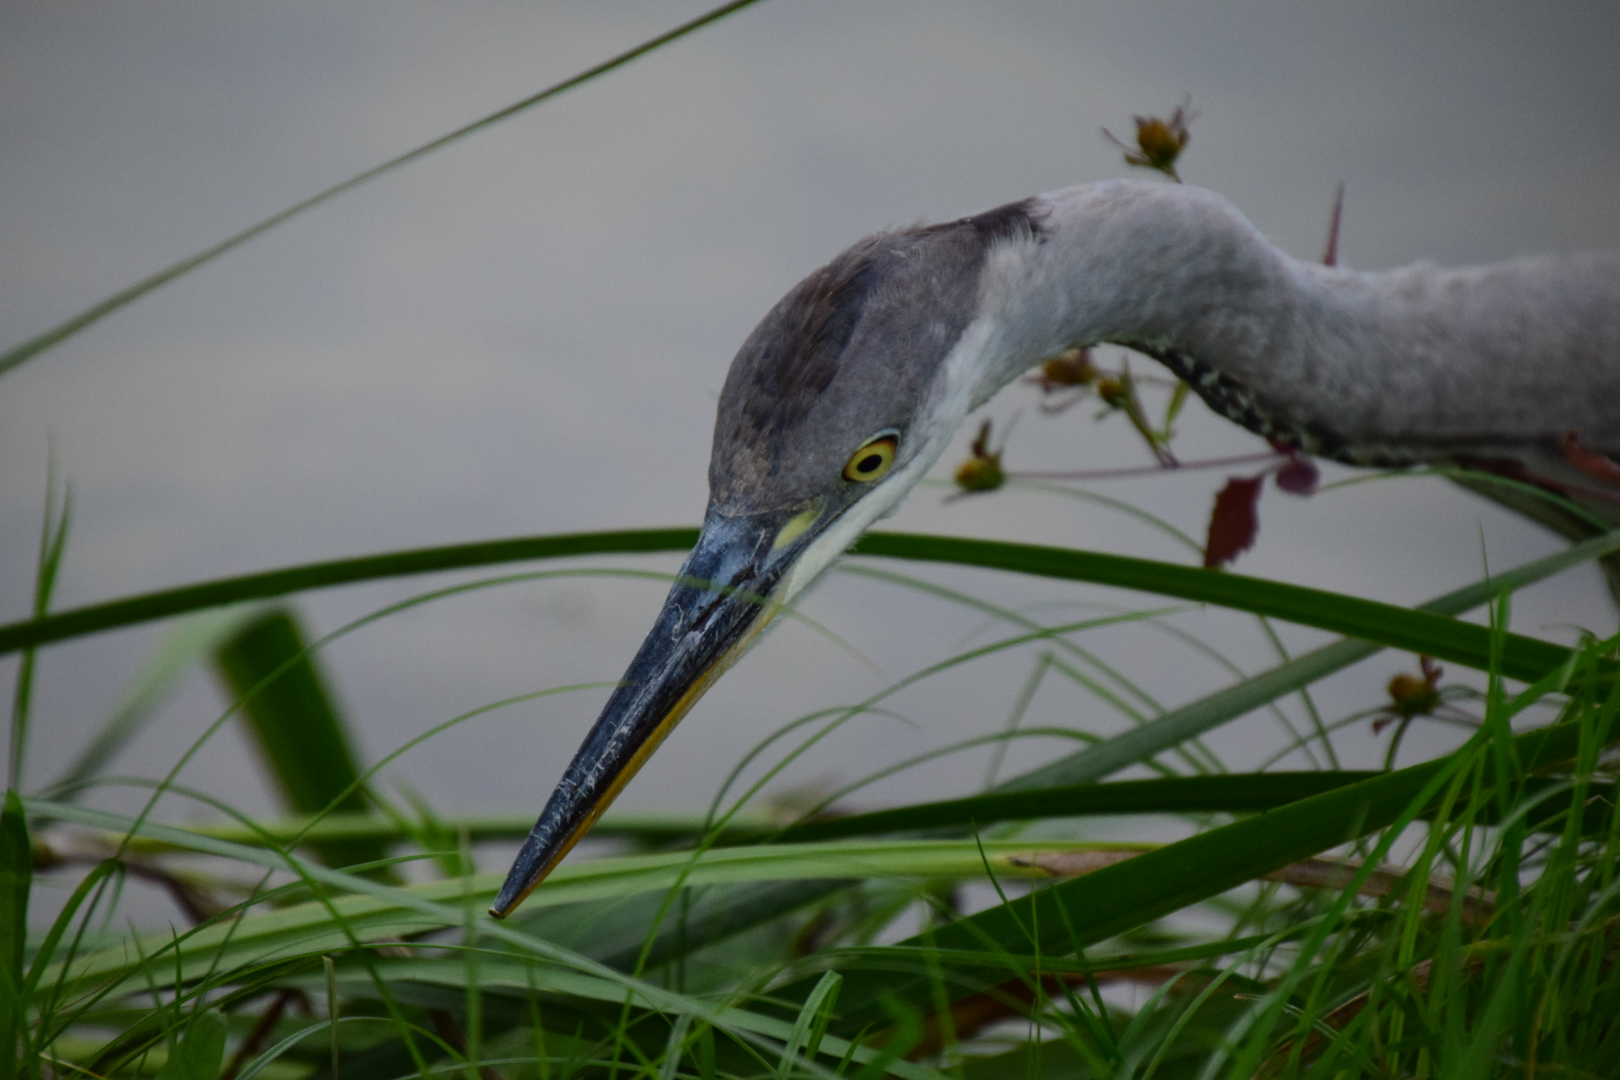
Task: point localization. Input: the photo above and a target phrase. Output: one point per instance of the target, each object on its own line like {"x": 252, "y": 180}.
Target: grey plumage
{"x": 1499, "y": 362}
{"x": 856, "y": 382}
{"x": 848, "y": 352}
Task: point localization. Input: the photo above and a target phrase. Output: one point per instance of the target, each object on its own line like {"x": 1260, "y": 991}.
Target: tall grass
{"x": 1454, "y": 917}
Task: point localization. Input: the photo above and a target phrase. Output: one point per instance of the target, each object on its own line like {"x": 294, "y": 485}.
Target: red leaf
{"x": 1299, "y": 477}
{"x": 1590, "y": 462}
{"x": 1235, "y": 522}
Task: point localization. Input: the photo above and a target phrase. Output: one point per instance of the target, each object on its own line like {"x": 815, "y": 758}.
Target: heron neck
{"x": 1403, "y": 365}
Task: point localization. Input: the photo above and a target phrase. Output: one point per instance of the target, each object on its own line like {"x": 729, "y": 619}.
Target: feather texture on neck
{"x": 1414, "y": 364}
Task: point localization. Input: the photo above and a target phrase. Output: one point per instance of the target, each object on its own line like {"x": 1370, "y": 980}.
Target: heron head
{"x": 835, "y": 406}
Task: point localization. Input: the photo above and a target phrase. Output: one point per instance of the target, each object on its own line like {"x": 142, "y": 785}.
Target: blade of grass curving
{"x": 1195, "y": 718}
{"x": 192, "y": 640}
{"x": 36, "y": 345}
{"x": 365, "y": 620}
{"x": 1129, "y": 509}
{"x": 1140, "y": 744}
{"x": 918, "y": 958}
{"x": 1241, "y": 793}
{"x": 1017, "y": 618}
{"x": 1087, "y": 657}
{"x": 842, "y": 715}
{"x": 995, "y": 738}
{"x": 1015, "y": 717}
{"x": 52, "y": 545}
{"x": 1221, "y": 660}
{"x": 301, "y": 737}
{"x": 1306, "y": 700}
{"x": 649, "y": 827}
{"x": 1090, "y": 909}
{"x": 1416, "y": 630}
{"x": 201, "y": 1050}
{"x": 717, "y": 915}
{"x": 16, "y": 876}
{"x": 53, "y": 937}
{"x": 811, "y": 1024}
{"x": 1102, "y": 569}
{"x": 168, "y": 602}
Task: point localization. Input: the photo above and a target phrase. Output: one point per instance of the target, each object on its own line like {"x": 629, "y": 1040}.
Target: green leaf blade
{"x": 301, "y": 736}
{"x": 16, "y": 878}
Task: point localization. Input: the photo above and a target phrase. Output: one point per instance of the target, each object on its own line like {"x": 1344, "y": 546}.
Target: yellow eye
{"x": 872, "y": 460}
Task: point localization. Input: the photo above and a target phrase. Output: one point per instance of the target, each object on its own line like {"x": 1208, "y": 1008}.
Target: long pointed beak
{"x": 722, "y": 599}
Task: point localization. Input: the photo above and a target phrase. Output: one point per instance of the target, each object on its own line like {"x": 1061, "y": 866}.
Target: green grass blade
{"x": 1142, "y": 743}
{"x": 1414, "y": 630}
{"x": 718, "y": 914}
{"x": 34, "y": 346}
{"x": 193, "y": 640}
{"x": 648, "y": 827}
{"x": 168, "y": 602}
{"x": 301, "y": 737}
{"x": 813, "y": 1017}
{"x": 201, "y": 1050}
{"x": 1242, "y": 793}
{"x": 1386, "y": 624}
{"x": 52, "y": 546}
{"x": 53, "y": 937}
{"x": 1090, "y": 909}
{"x": 16, "y": 875}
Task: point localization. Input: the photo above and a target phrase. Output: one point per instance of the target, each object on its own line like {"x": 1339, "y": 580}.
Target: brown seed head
{"x": 1160, "y": 144}
{"x": 980, "y": 474}
{"x": 982, "y": 471}
{"x": 1411, "y": 696}
{"x": 1071, "y": 368}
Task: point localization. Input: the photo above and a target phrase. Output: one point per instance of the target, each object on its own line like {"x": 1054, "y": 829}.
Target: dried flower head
{"x": 1413, "y": 695}
{"x": 1071, "y": 368}
{"x": 982, "y": 471}
{"x": 1159, "y": 142}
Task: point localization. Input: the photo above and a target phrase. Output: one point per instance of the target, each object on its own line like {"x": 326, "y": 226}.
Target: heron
{"x": 856, "y": 382}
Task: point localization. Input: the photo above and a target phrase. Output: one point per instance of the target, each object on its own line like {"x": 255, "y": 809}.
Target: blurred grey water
{"x": 526, "y": 333}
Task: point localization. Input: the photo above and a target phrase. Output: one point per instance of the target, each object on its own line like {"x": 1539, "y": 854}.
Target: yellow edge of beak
{"x": 699, "y": 687}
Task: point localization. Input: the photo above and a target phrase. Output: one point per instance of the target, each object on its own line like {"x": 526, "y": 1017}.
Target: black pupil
{"x": 869, "y": 463}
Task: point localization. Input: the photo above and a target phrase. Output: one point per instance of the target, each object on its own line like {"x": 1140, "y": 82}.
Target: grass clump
{"x": 1456, "y": 917}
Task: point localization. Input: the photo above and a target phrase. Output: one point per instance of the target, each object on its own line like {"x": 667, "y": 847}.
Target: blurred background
{"x": 526, "y": 333}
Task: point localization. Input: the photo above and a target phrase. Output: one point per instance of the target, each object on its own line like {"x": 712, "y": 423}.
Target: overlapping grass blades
{"x": 202, "y": 959}
{"x": 313, "y": 926}
{"x": 300, "y": 735}
{"x": 733, "y": 994}
{"x": 964, "y": 959}
{"x": 1075, "y": 915}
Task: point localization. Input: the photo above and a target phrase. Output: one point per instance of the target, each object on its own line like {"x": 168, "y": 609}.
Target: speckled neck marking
{"x": 1235, "y": 401}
